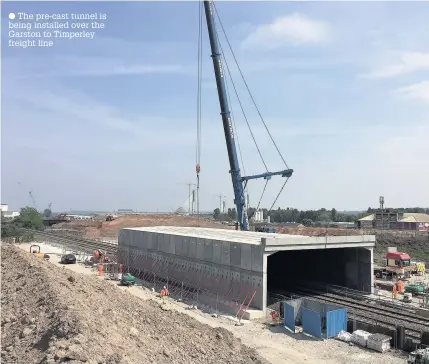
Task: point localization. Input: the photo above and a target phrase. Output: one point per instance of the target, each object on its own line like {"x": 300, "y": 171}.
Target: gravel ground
{"x": 53, "y": 315}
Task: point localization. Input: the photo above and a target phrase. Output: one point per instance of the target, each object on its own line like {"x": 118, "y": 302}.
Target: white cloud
{"x": 66, "y": 66}
{"x": 407, "y": 62}
{"x": 291, "y": 29}
{"x": 417, "y": 91}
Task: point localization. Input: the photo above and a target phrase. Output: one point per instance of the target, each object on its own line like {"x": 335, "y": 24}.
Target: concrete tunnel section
{"x": 232, "y": 266}
{"x": 288, "y": 271}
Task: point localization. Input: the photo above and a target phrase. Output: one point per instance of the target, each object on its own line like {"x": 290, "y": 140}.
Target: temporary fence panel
{"x": 311, "y": 322}
{"x": 335, "y": 322}
{"x": 289, "y": 314}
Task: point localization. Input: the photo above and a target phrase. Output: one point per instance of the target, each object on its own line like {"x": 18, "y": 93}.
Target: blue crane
{"x": 239, "y": 182}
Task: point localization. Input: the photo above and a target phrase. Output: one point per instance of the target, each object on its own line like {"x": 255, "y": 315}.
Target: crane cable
{"x": 244, "y": 115}
{"x": 257, "y": 109}
{"x": 233, "y": 117}
{"x": 245, "y": 118}
{"x": 199, "y": 81}
{"x": 241, "y": 106}
{"x": 247, "y": 87}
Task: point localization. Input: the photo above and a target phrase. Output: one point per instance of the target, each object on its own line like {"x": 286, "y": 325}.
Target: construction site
{"x": 125, "y": 287}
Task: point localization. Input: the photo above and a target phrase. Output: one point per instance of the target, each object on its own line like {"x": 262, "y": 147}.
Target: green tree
{"x": 232, "y": 214}
{"x": 216, "y": 214}
{"x": 47, "y": 213}
{"x": 323, "y": 217}
{"x": 333, "y": 215}
{"x": 29, "y": 218}
{"x": 307, "y": 222}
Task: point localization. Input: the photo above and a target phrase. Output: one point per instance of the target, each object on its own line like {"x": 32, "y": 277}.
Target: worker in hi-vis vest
{"x": 164, "y": 294}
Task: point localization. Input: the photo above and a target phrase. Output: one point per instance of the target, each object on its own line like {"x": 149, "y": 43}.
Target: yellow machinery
{"x": 35, "y": 249}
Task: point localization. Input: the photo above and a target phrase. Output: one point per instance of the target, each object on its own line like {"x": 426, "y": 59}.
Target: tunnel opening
{"x": 289, "y": 271}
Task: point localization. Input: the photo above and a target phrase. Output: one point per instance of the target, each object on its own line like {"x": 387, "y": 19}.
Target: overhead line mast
{"x": 239, "y": 182}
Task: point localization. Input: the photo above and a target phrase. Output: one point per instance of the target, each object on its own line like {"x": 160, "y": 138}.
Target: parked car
{"x": 68, "y": 259}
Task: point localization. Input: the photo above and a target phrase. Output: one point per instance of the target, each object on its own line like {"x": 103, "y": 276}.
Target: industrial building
{"x": 241, "y": 263}
{"x": 392, "y": 219}
{"x": 8, "y": 214}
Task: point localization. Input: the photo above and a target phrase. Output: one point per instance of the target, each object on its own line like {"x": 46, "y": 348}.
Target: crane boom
{"x": 238, "y": 182}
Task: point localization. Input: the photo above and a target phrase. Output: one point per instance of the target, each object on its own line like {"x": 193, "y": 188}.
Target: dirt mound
{"x": 416, "y": 246}
{"x": 315, "y": 231}
{"x": 110, "y": 229}
{"x": 53, "y": 315}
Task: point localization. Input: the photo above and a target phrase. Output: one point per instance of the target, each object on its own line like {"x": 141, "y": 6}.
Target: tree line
{"x": 29, "y": 218}
{"x": 319, "y": 217}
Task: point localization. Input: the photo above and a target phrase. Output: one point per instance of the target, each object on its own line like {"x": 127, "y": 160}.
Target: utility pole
{"x": 381, "y": 200}
{"x": 189, "y": 184}
{"x": 221, "y": 205}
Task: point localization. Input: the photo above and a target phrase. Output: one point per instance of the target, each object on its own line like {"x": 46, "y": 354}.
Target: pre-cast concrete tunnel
{"x": 294, "y": 269}
{"x": 228, "y": 267}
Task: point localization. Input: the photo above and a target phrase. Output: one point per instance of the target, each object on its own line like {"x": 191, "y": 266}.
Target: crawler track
{"x": 366, "y": 312}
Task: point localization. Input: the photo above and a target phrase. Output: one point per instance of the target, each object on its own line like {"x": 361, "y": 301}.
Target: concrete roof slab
{"x": 272, "y": 242}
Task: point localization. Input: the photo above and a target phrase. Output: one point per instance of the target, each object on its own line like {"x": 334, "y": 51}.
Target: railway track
{"x": 77, "y": 244}
{"x": 365, "y": 312}
{"x": 405, "y": 314}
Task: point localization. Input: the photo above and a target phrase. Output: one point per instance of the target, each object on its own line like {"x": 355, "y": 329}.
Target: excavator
{"x": 35, "y": 249}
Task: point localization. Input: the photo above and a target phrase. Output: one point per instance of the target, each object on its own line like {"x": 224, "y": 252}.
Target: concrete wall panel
{"x": 149, "y": 244}
{"x": 208, "y": 250}
{"x": 185, "y": 246}
{"x": 192, "y": 248}
{"x": 235, "y": 276}
{"x": 217, "y": 251}
{"x": 172, "y": 244}
{"x": 257, "y": 281}
{"x": 228, "y": 270}
{"x": 235, "y": 253}
{"x": 226, "y": 257}
{"x": 178, "y": 246}
{"x": 200, "y": 249}
{"x": 246, "y": 281}
{"x": 257, "y": 258}
{"x": 246, "y": 257}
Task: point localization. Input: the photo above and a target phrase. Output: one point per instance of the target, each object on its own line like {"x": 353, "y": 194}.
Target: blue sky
{"x": 111, "y": 122}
